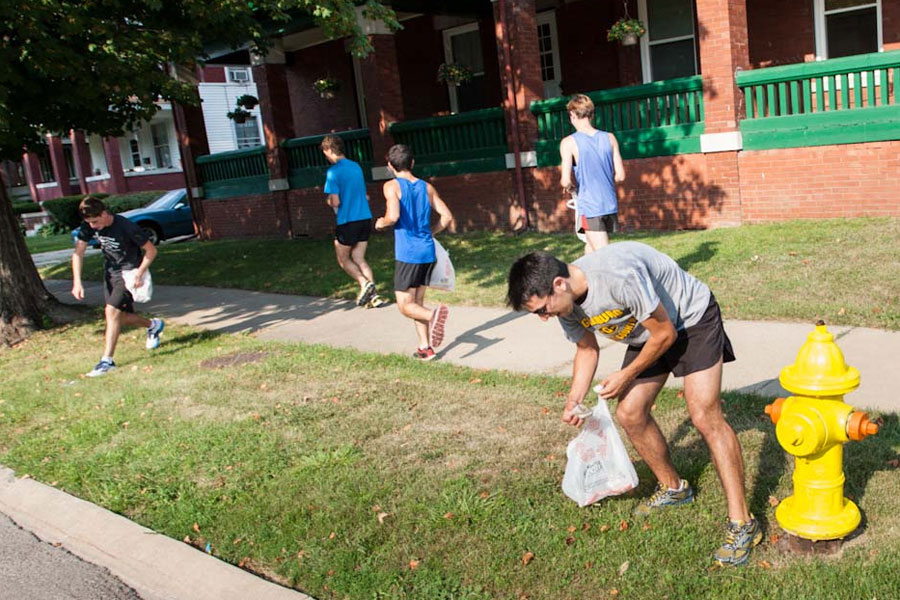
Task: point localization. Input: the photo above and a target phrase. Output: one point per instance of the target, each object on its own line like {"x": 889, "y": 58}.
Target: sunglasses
{"x": 544, "y": 310}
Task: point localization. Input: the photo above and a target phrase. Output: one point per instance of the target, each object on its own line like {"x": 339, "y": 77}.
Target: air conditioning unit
{"x": 238, "y": 75}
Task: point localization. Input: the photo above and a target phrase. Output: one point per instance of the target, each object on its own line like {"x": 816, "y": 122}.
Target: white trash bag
{"x": 573, "y": 204}
{"x": 598, "y": 465}
{"x": 443, "y": 277}
{"x": 143, "y": 293}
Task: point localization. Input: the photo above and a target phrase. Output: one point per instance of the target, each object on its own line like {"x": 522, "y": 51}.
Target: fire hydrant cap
{"x": 820, "y": 369}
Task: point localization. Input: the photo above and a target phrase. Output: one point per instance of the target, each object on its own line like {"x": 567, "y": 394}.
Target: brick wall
{"x": 781, "y": 33}
{"x": 859, "y": 180}
{"x": 246, "y": 216}
{"x": 420, "y": 52}
{"x": 314, "y": 115}
{"x": 587, "y": 60}
{"x": 890, "y": 17}
{"x": 161, "y": 181}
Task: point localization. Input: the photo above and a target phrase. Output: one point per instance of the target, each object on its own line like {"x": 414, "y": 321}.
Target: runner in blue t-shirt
{"x": 408, "y": 204}
{"x": 346, "y": 189}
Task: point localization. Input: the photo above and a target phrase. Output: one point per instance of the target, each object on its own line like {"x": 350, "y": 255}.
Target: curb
{"x": 156, "y": 566}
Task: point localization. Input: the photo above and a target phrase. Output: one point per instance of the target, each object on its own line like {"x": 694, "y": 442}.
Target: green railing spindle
{"x": 308, "y": 165}
{"x": 237, "y": 173}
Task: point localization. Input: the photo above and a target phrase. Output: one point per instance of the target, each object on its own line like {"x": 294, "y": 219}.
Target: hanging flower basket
{"x": 326, "y": 87}
{"x": 239, "y": 115}
{"x": 454, "y": 74}
{"x": 626, "y": 31}
{"x": 247, "y": 101}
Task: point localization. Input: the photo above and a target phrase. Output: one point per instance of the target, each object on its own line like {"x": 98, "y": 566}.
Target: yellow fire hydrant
{"x": 813, "y": 426}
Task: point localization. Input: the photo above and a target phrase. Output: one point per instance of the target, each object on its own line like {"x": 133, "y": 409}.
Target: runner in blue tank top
{"x": 408, "y": 205}
{"x": 597, "y": 165}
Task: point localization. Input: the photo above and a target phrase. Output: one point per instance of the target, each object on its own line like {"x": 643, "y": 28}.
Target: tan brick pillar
{"x": 723, "y": 51}
{"x": 524, "y": 65}
{"x": 60, "y": 168}
{"x": 82, "y": 155}
{"x": 117, "y": 184}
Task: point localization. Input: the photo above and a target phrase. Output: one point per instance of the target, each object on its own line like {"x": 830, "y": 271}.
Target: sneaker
{"x": 436, "y": 327}
{"x": 366, "y": 294}
{"x": 153, "y": 333}
{"x": 376, "y": 301}
{"x": 740, "y": 538}
{"x": 664, "y": 497}
{"x": 103, "y": 367}
{"x": 424, "y": 354}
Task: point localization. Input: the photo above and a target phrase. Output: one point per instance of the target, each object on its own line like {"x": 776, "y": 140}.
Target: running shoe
{"x": 103, "y": 367}
{"x": 376, "y": 301}
{"x": 436, "y": 327}
{"x": 740, "y": 538}
{"x": 424, "y": 354}
{"x": 365, "y": 294}
{"x": 153, "y": 333}
{"x": 664, "y": 497}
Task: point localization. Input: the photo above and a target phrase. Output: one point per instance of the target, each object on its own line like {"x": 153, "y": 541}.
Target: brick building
{"x": 727, "y": 112}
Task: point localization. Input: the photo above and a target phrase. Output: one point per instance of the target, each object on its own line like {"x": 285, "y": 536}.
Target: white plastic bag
{"x": 598, "y": 465}
{"x": 573, "y": 204}
{"x": 143, "y": 293}
{"x": 443, "y": 277}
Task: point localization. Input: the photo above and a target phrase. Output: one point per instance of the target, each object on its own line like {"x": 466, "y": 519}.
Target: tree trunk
{"x": 24, "y": 301}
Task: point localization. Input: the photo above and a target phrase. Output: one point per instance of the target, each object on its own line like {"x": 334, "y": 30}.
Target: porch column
{"x": 117, "y": 183}
{"x": 32, "y": 173}
{"x": 60, "y": 168}
{"x": 82, "y": 155}
{"x": 382, "y": 91}
{"x": 723, "y": 50}
{"x": 270, "y": 76}
{"x": 520, "y": 67}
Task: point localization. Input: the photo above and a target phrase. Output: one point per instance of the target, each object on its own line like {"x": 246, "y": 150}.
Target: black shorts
{"x": 410, "y": 275}
{"x": 697, "y": 348}
{"x": 607, "y": 223}
{"x": 353, "y": 232}
{"x": 115, "y": 293}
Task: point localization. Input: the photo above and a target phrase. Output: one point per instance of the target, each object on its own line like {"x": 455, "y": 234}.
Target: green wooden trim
{"x": 246, "y": 186}
{"x": 223, "y": 156}
{"x": 834, "y": 66}
{"x": 462, "y": 167}
{"x": 472, "y": 116}
{"x": 871, "y": 124}
{"x": 668, "y": 140}
{"x": 656, "y": 88}
{"x": 224, "y": 167}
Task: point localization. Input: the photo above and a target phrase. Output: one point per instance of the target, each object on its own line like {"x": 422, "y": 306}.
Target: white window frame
{"x": 448, "y": 57}
{"x": 646, "y": 66}
{"x": 234, "y": 130}
{"x": 549, "y": 18}
{"x": 230, "y": 70}
{"x": 822, "y": 32}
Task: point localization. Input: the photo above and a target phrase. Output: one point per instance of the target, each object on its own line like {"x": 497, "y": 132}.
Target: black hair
{"x": 90, "y": 207}
{"x": 533, "y": 275}
{"x": 400, "y": 157}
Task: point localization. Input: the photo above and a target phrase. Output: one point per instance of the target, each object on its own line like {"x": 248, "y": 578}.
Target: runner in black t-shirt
{"x": 125, "y": 247}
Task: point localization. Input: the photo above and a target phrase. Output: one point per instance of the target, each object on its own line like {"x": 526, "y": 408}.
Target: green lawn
{"x": 844, "y": 271}
{"x": 39, "y": 243}
{"x": 357, "y": 476}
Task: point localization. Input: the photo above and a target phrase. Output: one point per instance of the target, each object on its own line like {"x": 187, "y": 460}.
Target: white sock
{"x": 106, "y": 359}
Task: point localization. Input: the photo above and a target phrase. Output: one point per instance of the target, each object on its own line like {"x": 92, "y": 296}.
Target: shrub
{"x": 24, "y": 208}
{"x": 123, "y": 202}
{"x": 65, "y": 210}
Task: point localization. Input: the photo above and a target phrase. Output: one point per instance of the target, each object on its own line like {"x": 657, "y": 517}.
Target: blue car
{"x": 166, "y": 217}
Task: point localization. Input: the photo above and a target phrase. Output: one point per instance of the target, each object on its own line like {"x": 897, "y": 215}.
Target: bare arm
{"x": 662, "y": 336}
{"x": 77, "y": 264}
{"x": 618, "y": 165}
{"x": 333, "y": 200}
{"x": 391, "y": 191}
{"x": 442, "y": 210}
{"x": 587, "y": 353}
{"x": 568, "y": 151}
{"x": 149, "y": 256}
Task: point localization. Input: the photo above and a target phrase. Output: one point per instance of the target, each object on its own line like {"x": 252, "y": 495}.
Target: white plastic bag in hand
{"x": 443, "y": 277}
{"x": 598, "y": 465}
{"x": 143, "y": 293}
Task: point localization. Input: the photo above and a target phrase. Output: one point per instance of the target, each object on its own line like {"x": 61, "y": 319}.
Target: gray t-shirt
{"x": 626, "y": 282}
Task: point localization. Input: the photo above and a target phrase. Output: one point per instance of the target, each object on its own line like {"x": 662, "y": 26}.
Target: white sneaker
{"x": 103, "y": 367}
{"x": 153, "y": 333}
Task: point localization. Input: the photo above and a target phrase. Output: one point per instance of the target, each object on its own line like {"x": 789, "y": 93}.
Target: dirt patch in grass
{"x": 234, "y": 359}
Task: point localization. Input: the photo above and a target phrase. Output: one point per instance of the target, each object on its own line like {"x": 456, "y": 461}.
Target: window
{"x": 161, "y": 150}
{"x": 549, "y": 53}
{"x": 43, "y": 155}
{"x": 462, "y": 46}
{"x": 238, "y": 74}
{"x": 247, "y": 134}
{"x": 847, "y": 27}
{"x": 669, "y": 49}
{"x": 135, "y": 148}
{"x": 70, "y": 161}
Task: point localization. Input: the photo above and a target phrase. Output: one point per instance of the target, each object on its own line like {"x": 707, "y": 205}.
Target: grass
{"x": 349, "y": 475}
{"x": 844, "y": 271}
{"x": 38, "y": 243}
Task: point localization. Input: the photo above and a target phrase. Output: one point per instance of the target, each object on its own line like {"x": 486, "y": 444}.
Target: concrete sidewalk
{"x": 495, "y": 338}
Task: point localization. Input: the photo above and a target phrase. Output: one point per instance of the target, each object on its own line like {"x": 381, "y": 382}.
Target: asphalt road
{"x": 31, "y": 569}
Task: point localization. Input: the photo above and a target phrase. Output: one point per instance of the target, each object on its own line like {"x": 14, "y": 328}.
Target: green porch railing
{"x": 308, "y": 164}
{"x": 654, "y": 119}
{"x": 237, "y": 173}
{"x": 839, "y": 101}
{"x": 469, "y": 142}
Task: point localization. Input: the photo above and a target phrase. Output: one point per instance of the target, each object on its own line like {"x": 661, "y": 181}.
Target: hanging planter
{"x": 627, "y": 31}
{"x": 326, "y": 87}
{"x": 454, "y": 74}
{"x": 247, "y": 101}
{"x": 239, "y": 115}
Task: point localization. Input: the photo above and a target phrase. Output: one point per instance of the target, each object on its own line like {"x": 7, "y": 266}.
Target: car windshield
{"x": 165, "y": 201}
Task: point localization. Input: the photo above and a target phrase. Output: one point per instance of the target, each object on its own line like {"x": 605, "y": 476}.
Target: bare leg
{"x": 347, "y": 263}
{"x": 596, "y": 240}
{"x": 115, "y": 320}
{"x": 633, "y": 414}
{"x": 358, "y": 256}
{"x": 408, "y": 303}
{"x": 702, "y": 390}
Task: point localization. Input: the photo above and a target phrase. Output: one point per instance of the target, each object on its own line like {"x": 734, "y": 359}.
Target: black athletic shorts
{"x": 607, "y": 223}
{"x": 697, "y": 348}
{"x": 410, "y": 275}
{"x": 115, "y": 293}
{"x": 353, "y": 232}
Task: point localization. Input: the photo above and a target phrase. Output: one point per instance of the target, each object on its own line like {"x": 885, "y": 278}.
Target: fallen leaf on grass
{"x": 585, "y": 526}
{"x": 773, "y": 539}
{"x": 331, "y": 535}
{"x": 187, "y": 539}
{"x": 842, "y": 311}
{"x": 894, "y": 462}
{"x": 196, "y": 527}
{"x": 527, "y": 558}
{"x": 570, "y": 540}
{"x": 623, "y": 525}
{"x": 623, "y": 567}
{"x": 413, "y": 564}
{"x": 382, "y": 516}
{"x": 448, "y": 515}
{"x": 243, "y": 561}
{"x": 484, "y": 495}
{"x": 614, "y": 592}
{"x": 646, "y": 526}
{"x": 604, "y": 528}
{"x": 570, "y": 529}
{"x": 475, "y": 380}
{"x": 545, "y": 410}
{"x": 764, "y": 564}
{"x": 773, "y": 501}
